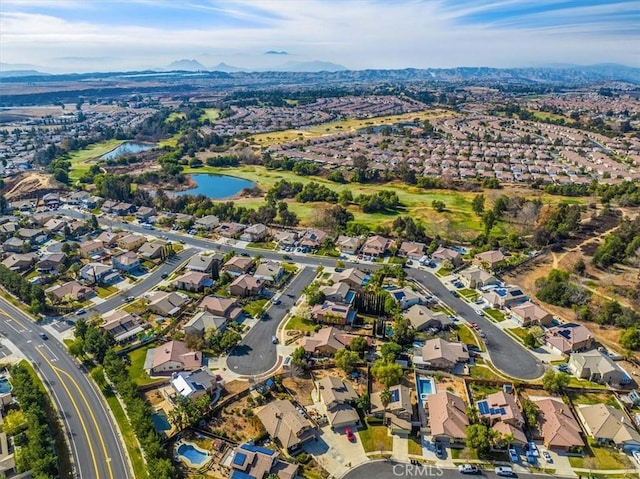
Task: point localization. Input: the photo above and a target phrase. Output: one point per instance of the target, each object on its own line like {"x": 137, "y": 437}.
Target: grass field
{"x": 254, "y": 307}
{"x": 298, "y": 323}
{"x": 211, "y": 114}
{"x": 376, "y": 438}
{"x": 174, "y": 116}
{"x": 352, "y": 124}
{"x": 81, "y": 159}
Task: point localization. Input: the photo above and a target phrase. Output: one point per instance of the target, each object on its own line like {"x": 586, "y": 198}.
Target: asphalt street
{"x": 256, "y": 354}
{"x": 506, "y": 354}
{"x": 391, "y": 469}
{"x": 95, "y": 445}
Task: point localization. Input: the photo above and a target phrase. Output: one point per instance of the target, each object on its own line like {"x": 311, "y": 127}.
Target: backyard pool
{"x": 192, "y": 455}
{"x": 425, "y": 386}
{"x": 5, "y": 386}
{"x": 160, "y": 422}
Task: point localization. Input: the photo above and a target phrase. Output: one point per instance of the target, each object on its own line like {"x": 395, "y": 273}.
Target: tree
{"x": 298, "y": 359}
{"x": 554, "y": 382}
{"x": 478, "y": 437}
{"x": 388, "y": 374}
{"x": 359, "y": 345}
{"x": 14, "y": 422}
{"x": 477, "y": 204}
{"x": 390, "y": 351}
{"x": 630, "y": 338}
{"x": 76, "y": 348}
{"x": 346, "y": 360}
{"x": 364, "y": 402}
{"x": 385, "y": 398}
{"x": 403, "y": 332}
{"x": 438, "y": 205}
{"x": 530, "y": 340}
{"x": 531, "y": 412}
{"x": 579, "y": 267}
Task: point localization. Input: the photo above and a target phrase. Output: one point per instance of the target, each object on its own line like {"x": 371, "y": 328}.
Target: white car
{"x": 468, "y": 469}
{"x": 505, "y": 471}
{"x": 636, "y": 455}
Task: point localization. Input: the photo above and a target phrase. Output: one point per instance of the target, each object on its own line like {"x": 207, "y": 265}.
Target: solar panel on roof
{"x": 483, "y": 407}
{"x": 395, "y": 395}
{"x": 503, "y": 411}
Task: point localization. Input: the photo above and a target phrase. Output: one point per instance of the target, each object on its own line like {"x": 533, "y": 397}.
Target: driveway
{"x": 335, "y": 453}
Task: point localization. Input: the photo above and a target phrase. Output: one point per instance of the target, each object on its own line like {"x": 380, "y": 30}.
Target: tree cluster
{"x": 556, "y": 289}
{"x": 385, "y": 200}
{"x": 31, "y": 294}
{"x": 620, "y": 246}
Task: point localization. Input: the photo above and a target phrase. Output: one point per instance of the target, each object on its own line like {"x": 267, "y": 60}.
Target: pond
{"x": 217, "y": 187}
{"x": 127, "y": 148}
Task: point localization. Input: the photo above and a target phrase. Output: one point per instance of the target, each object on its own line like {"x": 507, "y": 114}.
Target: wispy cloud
{"x": 358, "y": 34}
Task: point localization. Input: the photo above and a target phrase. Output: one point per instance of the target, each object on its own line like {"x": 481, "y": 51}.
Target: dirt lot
{"x": 454, "y": 385}
{"x": 28, "y": 185}
{"x": 237, "y": 421}
{"x": 300, "y": 388}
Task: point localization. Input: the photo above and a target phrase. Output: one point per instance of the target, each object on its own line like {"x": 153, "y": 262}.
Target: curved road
{"x": 390, "y": 469}
{"x": 95, "y": 445}
{"x": 506, "y": 354}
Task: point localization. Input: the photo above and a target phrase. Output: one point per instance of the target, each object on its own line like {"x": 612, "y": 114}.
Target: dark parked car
{"x": 43, "y": 336}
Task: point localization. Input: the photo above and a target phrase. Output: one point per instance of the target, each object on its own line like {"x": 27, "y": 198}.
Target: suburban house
{"x": 209, "y": 222}
{"x": 98, "y": 273}
{"x": 355, "y": 278}
{"x": 337, "y": 397}
{"x": 255, "y": 233}
{"x": 608, "y": 425}
{"x": 312, "y": 239}
{"x": 411, "y": 250}
{"x": 286, "y": 239}
{"x": 501, "y": 411}
{"x": 15, "y": 245}
{"x": 569, "y": 338}
{"x": 333, "y": 313}
{"x": 338, "y": 292}
{"x": 193, "y": 384}
{"x": 203, "y": 264}
{"x": 528, "y": 313}
{"x": 220, "y": 306}
{"x": 145, "y": 213}
{"x": 376, "y": 246}
{"x": 327, "y": 341}
{"x": 349, "y": 244}
{"x": 598, "y": 367}
{"x": 489, "y": 259}
{"x": 254, "y": 462}
{"x": 171, "y": 357}
{"x": 505, "y": 297}
{"x": 54, "y": 225}
{"x": 405, "y": 297}
{"x": 476, "y": 278}
{"x": 128, "y": 262}
{"x": 70, "y": 291}
{"x": 123, "y": 208}
{"x": 122, "y": 325}
{"x": 556, "y": 424}
{"x": 131, "y": 242}
{"x": 109, "y": 237}
{"x": 230, "y": 230}
{"x": 421, "y": 318}
{"x": 33, "y": 235}
{"x": 448, "y": 419}
{"x": 238, "y": 265}
{"x": 152, "y": 249}
{"x": 19, "y": 261}
{"x": 398, "y": 412}
{"x": 441, "y": 354}
{"x": 193, "y": 281}
{"x": 286, "y": 424}
{"x": 91, "y": 248}
{"x": 268, "y": 270}
{"x": 203, "y": 321}
{"x": 246, "y": 285}
{"x": 51, "y": 262}
{"x": 167, "y": 304}
{"x": 446, "y": 254}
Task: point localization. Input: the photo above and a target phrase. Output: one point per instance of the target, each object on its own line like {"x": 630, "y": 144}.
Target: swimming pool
{"x": 5, "y": 386}
{"x": 160, "y": 421}
{"x": 425, "y": 386}
{"x": 192, "y": 455}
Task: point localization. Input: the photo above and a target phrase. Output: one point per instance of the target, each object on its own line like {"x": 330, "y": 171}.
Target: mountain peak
{"x": 187, "y": 65}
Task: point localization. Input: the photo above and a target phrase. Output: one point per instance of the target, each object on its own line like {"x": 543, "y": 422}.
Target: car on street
{"x": 274, "y": 339}
{"x": 474, "y": 325}
{"x": 43, "y": 335}
{"x": 164, "y": 275}
{"x": 547, "y": 456}
{"x": 129, "y": 299}
{"x": 181, "y": 241}
{"x": 504, "y": 471}
{"x": 80, "y": 311}
{"x": 455, "y": 293}
{"x": 468, "y": 469}
{"x": 350, "y": 436}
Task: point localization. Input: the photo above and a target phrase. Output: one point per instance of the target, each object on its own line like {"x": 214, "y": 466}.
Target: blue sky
{"x": 96, "y": 35}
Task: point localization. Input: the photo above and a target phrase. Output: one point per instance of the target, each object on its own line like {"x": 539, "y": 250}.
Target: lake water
{"x": 217, "y": 187}
{"x": 127, "y": 148}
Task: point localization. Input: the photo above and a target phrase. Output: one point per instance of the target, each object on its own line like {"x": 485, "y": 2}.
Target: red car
{"x": 350, "y": 435}
{"x": 475, "y": 325}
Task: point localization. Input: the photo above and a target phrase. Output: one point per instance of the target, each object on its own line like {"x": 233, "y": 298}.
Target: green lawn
{"x": 136, "y": 370}
{"x": 106, "y": 291}
{"x": 212, "y": 114}
{"x": 495, "y": 315}
{"x": 483, "y": 372}
{"x": 443, "y": 272}
{"x": 376, "y": 438}
{"x": 466, "y": 453}
{"x": 80, "y": 160}
{"x": 518, "y": 333}
{"x": 574, "y": 382}
{"x": 601, "y": 458}
{"x": 254, "y": 308}
{"x": 468, "y": 336}
{"x": 594, "y": 398}
{"x": 470, "y": 294}
{"x": 270, "y": 245}
{"x": 300, "y": 324}
{"x": 124, "y": 425}
{"x": 415, "y": 447}
{"x": 289, "y": 267}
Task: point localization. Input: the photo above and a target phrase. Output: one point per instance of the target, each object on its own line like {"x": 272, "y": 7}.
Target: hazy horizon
{"x": 78, "y": 36}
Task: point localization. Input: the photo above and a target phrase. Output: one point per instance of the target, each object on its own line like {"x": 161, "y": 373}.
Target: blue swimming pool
{"x": 5, "y": 386}
{"x": 425, "y": 386}
{"x": 160, "y": 421}
{"x": 193, "y": 454}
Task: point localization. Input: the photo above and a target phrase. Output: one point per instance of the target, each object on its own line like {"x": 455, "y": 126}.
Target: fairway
{"x": 352, "y": 124}
{"x": 211, "y": 114}
{"x": 81, "y": 159}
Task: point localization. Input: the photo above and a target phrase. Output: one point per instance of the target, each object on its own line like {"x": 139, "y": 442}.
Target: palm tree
{"x": 472, "y": 413}
{"x": 385, "y": 399}
{"x": 508, "y": 438}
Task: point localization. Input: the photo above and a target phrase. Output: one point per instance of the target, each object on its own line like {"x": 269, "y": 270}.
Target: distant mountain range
{"x": 290, "y": 66}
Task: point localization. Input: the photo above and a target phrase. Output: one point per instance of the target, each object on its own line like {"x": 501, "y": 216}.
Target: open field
{"x": 352, "y": 124}
{"x": 80, "y": 160}
{"x": 211, "y": 114}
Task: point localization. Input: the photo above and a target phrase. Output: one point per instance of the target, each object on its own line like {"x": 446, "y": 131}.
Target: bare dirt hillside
{"x": 30, "y": 185}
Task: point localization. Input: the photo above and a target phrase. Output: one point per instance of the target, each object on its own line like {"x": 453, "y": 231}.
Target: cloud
{"x": 363, "y": 34}
{"x": 274, "y": 52}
